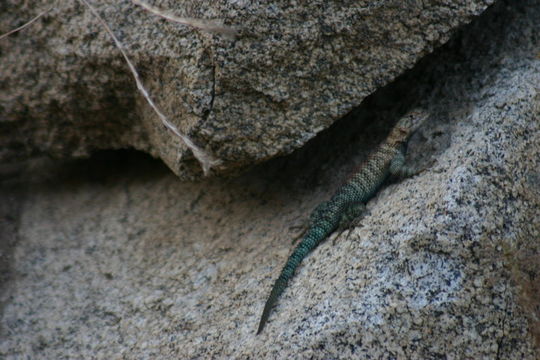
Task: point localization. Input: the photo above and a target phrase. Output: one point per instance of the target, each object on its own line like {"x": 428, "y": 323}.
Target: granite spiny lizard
{"x": 349, "y": 201}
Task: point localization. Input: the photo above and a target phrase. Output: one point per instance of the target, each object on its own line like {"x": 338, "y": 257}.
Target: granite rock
{"x": 294, "y": 68}
{"x": 114, "y": 258}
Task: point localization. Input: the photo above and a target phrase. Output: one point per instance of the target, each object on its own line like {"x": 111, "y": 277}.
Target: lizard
{"x": 348, "y": 202}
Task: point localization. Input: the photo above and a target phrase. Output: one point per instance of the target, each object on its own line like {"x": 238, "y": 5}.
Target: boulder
{"x": 293, "y": 69}
{"x": 114, "y": 258}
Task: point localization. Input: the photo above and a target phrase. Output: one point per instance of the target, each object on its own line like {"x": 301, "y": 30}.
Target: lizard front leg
{"x": 400, "y": 169}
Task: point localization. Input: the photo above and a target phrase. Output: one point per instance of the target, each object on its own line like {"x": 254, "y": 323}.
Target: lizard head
{"x": 413, "y": 119}
{"x": 410, "y": 122}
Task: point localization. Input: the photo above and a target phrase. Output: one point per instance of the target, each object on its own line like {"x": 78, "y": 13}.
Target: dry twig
{"x": 213, "y": 26}
{"x": 25, "y": 24}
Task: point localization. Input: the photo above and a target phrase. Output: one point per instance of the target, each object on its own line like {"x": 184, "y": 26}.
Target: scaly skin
{"x": 349, "y": 201}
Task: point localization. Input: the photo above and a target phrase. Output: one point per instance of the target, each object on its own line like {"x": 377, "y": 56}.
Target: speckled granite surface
{"x": 114, "y": 258}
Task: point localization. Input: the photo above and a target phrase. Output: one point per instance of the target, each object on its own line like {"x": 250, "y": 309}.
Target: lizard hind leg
{"x": 301, "y": 233}
{"x": 350, "y": 219}
{"x": 314, "y": 218}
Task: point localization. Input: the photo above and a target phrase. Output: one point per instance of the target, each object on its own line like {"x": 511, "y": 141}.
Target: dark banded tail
{"x": 278, "y": 288}
{"x": 308, "y": 243}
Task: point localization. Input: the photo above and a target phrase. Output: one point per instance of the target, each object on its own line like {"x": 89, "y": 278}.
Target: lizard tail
{"x": 278, "y": 288}
{"x": 308, "y": 243}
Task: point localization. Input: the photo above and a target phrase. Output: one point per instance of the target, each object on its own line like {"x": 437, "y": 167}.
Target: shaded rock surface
{"x": 294, "y": 69}
{"x": 115, "y": 258}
